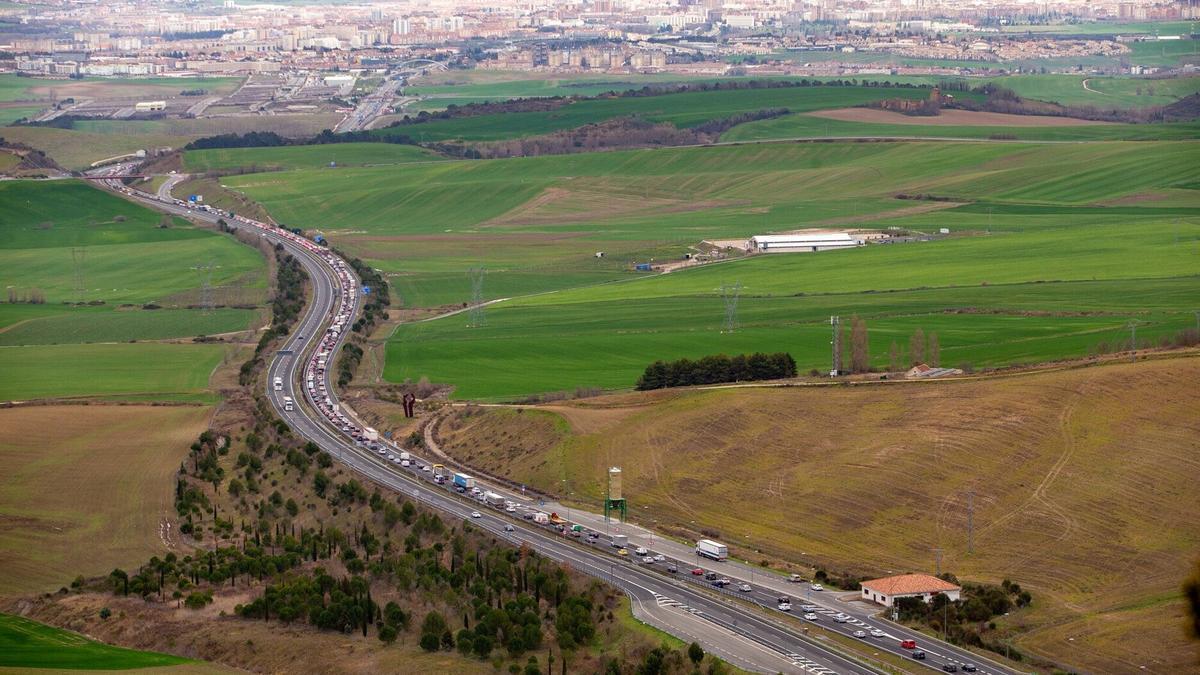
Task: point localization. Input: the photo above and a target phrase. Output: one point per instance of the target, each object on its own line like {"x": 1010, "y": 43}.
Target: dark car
{"x": 672, "y": 568}
{"x": 919, "y": 655}
{"x": 711, "y": 576}
{"x": 949, "y": 667}
{"x": 969, "y": 668}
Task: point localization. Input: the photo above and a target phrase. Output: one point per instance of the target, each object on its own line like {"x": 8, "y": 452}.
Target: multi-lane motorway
{"x": 744, "y": 627}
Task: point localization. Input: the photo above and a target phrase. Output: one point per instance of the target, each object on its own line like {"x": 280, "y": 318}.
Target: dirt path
{"x": 1094, "y": 91}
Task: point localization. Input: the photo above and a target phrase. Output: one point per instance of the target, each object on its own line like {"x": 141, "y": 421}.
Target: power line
{"x": 731, "y": 294}
{"x": 206, "y": 294}
{"x": 475, "y": 316}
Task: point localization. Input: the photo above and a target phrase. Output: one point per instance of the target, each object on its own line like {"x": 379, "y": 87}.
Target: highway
{"x": 743, "y": 627}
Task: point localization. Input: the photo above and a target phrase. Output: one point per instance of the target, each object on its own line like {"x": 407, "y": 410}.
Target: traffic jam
{"x": 317, "y": 391}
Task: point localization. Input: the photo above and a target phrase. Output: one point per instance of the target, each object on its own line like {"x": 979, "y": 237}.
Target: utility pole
{"x": 1133, "y": 340}
{"x": 937, "y": 554}
{"x": 836, "y": 322}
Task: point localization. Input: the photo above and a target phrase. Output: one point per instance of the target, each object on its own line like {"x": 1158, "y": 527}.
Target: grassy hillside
{"x": 684, "y": 110}
{"x": 307, "y": 156}
{"x": 1082, "y": 483}
{"x": 28, "y": 644}
{"x": 61, "y": 235}
{"x": 1104, "y": 92}
{"x": 72, "y": 503}
{"x": 996, "y": 292}
{"x": 77, "y": 149}
{"x": 801, "y": 125}
{"x": 129, "y": 257}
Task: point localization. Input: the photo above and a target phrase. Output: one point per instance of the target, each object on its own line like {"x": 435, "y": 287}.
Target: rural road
{"x": 742, "y": 627}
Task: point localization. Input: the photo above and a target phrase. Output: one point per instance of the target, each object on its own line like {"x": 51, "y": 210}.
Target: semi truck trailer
{"x": 712, "y": 549}
{"x": 463, "y": 481}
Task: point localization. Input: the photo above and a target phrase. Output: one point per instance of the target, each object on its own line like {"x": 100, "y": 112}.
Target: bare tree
{"x": 916, "y": 346}
{"x": 860, "y": 351}
{"x": 895, "y": 357}
{"x": 935, "y": 351}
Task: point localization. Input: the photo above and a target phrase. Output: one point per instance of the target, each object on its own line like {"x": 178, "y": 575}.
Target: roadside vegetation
{"x": 28, "y": 644}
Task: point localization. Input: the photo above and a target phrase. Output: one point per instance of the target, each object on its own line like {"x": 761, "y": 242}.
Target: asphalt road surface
{"x": 744, "y": 627}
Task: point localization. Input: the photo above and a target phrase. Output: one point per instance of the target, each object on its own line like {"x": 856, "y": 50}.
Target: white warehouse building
{"x": 801, "y": 242}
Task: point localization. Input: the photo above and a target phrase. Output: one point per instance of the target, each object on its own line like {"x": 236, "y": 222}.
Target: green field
{"x": 139, "y": 371}
{"x": 124, "y": 261}
{"x": 76, "y": 325}
{"x": 1166, "y": 53}
{"x": 28, "y": 644}
{"x": 307, "y": 156}
{"x": 1118, "y": 92}
{"x": 1045, "y": 266}
{"x": 802, "y": 125}
{"x": 63, "y": 236}
{"x": 683, "y": 110}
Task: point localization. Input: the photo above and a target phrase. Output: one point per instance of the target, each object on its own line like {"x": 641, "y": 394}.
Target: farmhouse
{"x": 887, "y": 590}
{"x": 149, "y": 106}
{"x": 801, "y": 242}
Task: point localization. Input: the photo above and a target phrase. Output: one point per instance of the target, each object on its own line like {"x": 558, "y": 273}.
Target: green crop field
{"x": 58, "y": 234}
{"x": 536, "y": 222}
{"x": 1109, "y": 92}
{"x": 59, "y": 325}
{"x": 160, "y": 371}
{"x": 28, "y": 644}
{"x": 1165, "y": 53}
{"x": 801, "y": 125}
{"x": 684, "y": 110}
{"x": 307, "y": 156}
{"x": 125, "y": 257}
{"x": 1038, "y": 244}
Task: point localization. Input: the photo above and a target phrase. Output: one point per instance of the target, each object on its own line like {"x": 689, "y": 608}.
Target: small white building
{"x": 149, "y": 106}
{"x": 887, "y": 590}
{"x": 801, "y": 242}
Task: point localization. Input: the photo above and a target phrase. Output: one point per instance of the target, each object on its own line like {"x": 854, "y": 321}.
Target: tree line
{"x": 716, "y": 369}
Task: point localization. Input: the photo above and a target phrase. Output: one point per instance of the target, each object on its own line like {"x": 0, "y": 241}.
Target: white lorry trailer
{"x": 712, "y": 549}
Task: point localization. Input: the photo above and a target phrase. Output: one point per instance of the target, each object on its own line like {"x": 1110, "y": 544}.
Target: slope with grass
{"x": 87, "y": 488}
{"x": 1082, "y": 482}
{"x": 306, "y": 156}
{"x": 76, "y": 150}
{"x": 65, "y": 241}
{"x": 129, "y": 257}
{"x": 683, "y": 110}
{"x": 802, "y": 125}
{"x": 1102, "y": 92}
{"x": 1044, "y": 263}
{"x": 28, "y": 644}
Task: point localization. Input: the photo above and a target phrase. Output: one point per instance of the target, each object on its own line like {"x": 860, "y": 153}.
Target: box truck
{"x": 620, "y": 541}
{"x": 712, "y": 549}
{"x": 287, "y": 403}
{"x": 463, "y": 481}
{"x": 494, "y": 499}
{"x": 279, "y": 384}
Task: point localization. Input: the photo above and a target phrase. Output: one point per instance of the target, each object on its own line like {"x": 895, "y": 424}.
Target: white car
{"x": 841, "y": 618}
{"x": 641, "y": 550}
{"x": 875, "y": 632}
{"x": 476, "y": 514}
{"x": 745, "y": 588}
{"x": 424, "y": 468}
{"x": 810, "y": 616}
{"x": 860, "y": 633}
{"x": 660, "y": 558}
{"x": 648, "y": 560}
{"x": 391, "y": 458}
{"x": 817, "y": 587}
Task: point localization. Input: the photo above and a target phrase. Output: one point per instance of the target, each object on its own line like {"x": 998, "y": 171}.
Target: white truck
{"x": 287, "y": 403}
{"x": 620, "y": 541}
{"x": 278, "y": 384}
{"x": 712, "y": 549}
{"x": 370, "y": 434}
{"x": 494, "y": 499}
{"x": 541, "y": 518}
{"x": 405, "y": 455}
